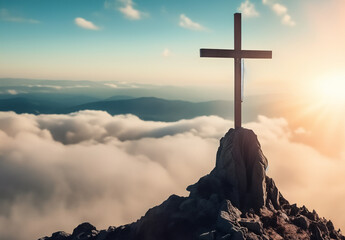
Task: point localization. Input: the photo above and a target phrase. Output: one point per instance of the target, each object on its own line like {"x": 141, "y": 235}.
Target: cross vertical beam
{"x": 238, "y": 72}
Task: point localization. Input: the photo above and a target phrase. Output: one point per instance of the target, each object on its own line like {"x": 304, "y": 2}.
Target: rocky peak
{"x": 239, "y": 171}
{"x": 235, "y": 201}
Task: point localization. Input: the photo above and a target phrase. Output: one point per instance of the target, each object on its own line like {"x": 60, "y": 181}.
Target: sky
{"x": 158, "y": 41}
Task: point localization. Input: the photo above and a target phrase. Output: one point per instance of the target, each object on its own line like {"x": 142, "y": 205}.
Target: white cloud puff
{"x": 248, "y": 9}
{"x": 288, "y": 21}
{"x": 281, "y": 10}
{"x": 59, "y": 170}
{"x": 83, "y": 23}
{"x": 130, "y": 12}
{"x": 186, "y": 22}
{"x": 127, "y": 8}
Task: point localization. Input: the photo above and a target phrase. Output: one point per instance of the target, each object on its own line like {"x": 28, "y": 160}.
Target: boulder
{"x": 252, "y": 225}
{"x": 301, "y": 221}
{"x": 83, "y": 228}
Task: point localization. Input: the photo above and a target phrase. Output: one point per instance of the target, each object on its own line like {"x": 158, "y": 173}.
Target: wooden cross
{"x": 237, "y": 54}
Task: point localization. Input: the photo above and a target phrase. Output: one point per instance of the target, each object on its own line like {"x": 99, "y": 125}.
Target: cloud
{"x": 83, "y": 23}
{"x": 186, "y": 22}
{"x": 288, "y": 21}
{"x": 301, "y": 130}
{"x": 111, "y": 85}
{"x": 45, "y": 86}
{"x": 166, "y": 52}
{"x": 56, "y": 86}
{"x": 248, "y": 9}
{"x": 12, "y": 91}
{"x": 5, "y": 15}
{"x": 130, "y": 12}
{"x": 280, "y": 10}
{"x": 59, "y": 170}
{"x": 268, "y": 2}
{"x": 127, "y": 8}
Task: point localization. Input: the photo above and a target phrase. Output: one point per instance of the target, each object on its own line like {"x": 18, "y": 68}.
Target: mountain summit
{"x": 236, "y": 200}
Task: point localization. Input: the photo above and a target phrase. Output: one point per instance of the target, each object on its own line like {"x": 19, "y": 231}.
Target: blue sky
{"x": 156, "y": 41}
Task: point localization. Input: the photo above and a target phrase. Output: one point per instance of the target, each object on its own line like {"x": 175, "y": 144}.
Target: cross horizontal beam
{"x": 226, "y": 53}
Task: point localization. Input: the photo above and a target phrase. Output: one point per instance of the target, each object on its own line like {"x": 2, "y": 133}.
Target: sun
{"x": 318, "y": 105}
{"x": 329, "y": 90}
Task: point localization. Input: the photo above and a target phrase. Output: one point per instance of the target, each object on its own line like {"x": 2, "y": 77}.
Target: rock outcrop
{"x": 235, "y": 201}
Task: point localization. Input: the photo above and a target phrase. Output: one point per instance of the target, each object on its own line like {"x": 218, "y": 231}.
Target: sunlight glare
{"x": 330, "y": 90}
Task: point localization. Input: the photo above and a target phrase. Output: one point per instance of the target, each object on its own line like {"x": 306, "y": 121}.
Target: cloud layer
{"x": 59, "y": 170}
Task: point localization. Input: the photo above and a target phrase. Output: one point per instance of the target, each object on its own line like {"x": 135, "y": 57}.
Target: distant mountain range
{"x": 157, "y": 109}
{"x": 149, "y": 102}
{"x": 108, "y": 89}
{"x": 147, "y": 108}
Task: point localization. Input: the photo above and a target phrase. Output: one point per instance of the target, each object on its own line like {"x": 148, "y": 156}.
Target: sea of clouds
{"x": 57, "y": 171}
